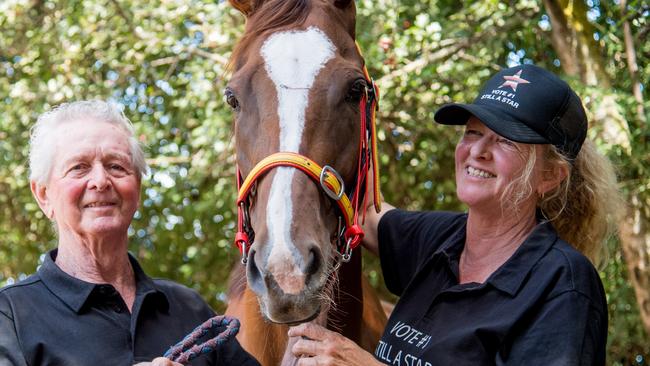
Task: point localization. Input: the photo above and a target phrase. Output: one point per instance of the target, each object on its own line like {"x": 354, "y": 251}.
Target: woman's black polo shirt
{"x": 544, "y": 306}
{"x": 51, "y": 318}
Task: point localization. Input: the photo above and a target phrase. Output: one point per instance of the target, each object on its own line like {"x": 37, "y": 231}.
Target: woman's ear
{"x": 552, "y": 177}
{"x": 40, "y": 194}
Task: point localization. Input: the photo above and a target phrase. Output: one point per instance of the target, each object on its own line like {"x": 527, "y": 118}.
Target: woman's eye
{"x": 472, "y": 132}
{"x": 356, "y": 92}
{"x": 229, "y": 97}
{"x": 506, "y": 142}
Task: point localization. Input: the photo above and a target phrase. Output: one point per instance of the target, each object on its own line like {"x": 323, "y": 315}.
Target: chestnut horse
{"x": 300, "y": 93}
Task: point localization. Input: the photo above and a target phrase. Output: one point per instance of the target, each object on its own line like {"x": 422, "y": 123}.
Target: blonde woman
{"x": 512, "y": 281}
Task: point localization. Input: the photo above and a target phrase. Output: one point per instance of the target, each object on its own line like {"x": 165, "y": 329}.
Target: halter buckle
{"x": 323, "y": 176}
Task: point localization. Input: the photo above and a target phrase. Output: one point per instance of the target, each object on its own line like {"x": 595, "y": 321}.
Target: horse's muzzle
{"x": 279, "y": 306}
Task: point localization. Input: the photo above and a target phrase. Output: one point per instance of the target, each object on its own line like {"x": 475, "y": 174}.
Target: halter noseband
{"x": 350, "y": 236}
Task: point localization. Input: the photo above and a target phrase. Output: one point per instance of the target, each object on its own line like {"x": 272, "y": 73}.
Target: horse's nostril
{"x": 314, "y": 261}
{"x": 255, "y": 280}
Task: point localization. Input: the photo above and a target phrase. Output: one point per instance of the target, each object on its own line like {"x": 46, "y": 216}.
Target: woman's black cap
{"x": 526, "y": 104}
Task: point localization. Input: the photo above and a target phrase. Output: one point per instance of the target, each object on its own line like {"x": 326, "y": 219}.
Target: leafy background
{"x": 165, "y": 62}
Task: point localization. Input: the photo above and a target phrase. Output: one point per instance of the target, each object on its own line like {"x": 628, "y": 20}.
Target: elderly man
{"x": 90, "y": 303}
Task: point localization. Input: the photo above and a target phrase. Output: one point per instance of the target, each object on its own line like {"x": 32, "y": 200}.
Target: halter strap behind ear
{"x": 371, "y": 109}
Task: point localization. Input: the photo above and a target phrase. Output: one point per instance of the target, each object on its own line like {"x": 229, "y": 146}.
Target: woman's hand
{"x": 159, "y": 361}
{"x": 322, "y": 347}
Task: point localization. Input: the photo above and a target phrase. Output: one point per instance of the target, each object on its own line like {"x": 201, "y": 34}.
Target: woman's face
{"x": 93, "y": 188}
{"x": 486, "y": 163}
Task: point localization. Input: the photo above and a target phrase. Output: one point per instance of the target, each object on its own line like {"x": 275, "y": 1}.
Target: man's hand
{"x": 159, "y": 361}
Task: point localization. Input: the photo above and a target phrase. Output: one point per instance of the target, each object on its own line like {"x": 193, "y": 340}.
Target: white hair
{"x": 41, "y": 142}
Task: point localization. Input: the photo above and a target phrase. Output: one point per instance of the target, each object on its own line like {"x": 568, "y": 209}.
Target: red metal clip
{"x": 241, "y": 239}
{"x": 354, "y": 235}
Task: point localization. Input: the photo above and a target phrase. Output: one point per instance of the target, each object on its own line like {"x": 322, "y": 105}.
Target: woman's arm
{"x": 371, "y": 226}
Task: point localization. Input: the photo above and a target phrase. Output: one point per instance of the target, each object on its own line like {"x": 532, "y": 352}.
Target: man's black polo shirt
{"x": 544, "y": 306}
{"x": 51, "y": 318}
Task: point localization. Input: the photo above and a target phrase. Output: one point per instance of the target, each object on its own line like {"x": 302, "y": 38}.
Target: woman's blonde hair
{"x": 586, "y": 206}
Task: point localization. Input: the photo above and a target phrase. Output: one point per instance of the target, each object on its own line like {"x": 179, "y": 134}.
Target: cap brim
{"x": 501, "y": 123}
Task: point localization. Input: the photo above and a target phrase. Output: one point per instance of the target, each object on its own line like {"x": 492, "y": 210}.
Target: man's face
{"x": 93, "y": 188}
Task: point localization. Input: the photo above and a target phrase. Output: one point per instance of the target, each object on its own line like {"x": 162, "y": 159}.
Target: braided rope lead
{"x": 189, "y": 349}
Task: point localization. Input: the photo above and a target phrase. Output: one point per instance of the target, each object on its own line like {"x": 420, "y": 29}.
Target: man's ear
{"x": 41, "y": 195}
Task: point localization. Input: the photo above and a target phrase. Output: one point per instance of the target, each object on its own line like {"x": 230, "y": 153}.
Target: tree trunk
{"x": 635, "y": 238}
{"x": 562, "y": 38}
{"x": 572, "y": 37}
{"x": 632, "y": 66}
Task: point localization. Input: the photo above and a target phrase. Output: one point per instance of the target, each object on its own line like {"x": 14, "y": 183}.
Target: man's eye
{"x": 77, "y": 167}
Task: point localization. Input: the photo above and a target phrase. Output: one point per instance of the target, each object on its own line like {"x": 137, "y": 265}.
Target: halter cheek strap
{"x": 330, "y": 181}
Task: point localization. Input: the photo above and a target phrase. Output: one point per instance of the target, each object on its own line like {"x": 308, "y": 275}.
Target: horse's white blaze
{"x": 292, "y": 60}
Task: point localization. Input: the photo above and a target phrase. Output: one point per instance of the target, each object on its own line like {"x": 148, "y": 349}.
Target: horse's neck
{"x": 345, "y": 314}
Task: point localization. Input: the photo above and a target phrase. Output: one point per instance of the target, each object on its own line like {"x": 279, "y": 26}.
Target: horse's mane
{"x": 272, "y": 14}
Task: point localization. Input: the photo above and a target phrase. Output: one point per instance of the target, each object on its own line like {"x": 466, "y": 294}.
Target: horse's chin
{"x": 295, "y": 322}
{"x": 288, "y": 313}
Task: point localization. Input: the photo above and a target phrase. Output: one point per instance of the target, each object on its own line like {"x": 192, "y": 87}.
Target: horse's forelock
{"x": 270, "y": 15}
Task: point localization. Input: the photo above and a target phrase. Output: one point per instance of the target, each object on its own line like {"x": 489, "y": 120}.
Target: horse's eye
{"x": 357, "y": 90}
{"x": 229, "y": 97}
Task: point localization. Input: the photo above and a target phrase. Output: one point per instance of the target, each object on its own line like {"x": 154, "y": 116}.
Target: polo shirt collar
{"x": 453, "y": 247}
{"x": 75, "y": 292}
{"x": 511, "y": 275}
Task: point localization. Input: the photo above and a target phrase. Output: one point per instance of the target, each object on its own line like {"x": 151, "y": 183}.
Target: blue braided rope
{"x": 189, "y": 349}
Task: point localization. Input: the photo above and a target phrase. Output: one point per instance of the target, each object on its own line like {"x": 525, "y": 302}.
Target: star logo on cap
{"x": 513, "y": 81}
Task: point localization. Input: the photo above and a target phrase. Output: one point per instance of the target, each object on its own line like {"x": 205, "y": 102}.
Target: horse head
{"x": 298, "y": 88}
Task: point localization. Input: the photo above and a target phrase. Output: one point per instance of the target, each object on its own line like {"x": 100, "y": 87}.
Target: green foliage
{"x": 626, "y": 340}
{"x": 165, "y": 61}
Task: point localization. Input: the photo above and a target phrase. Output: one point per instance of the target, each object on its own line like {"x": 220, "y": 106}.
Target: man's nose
{"x": 99, "y": 178}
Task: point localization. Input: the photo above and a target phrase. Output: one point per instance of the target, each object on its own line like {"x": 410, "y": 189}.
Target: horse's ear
{"x": 342, "y": 4}
{"x": 245, "y": 6}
